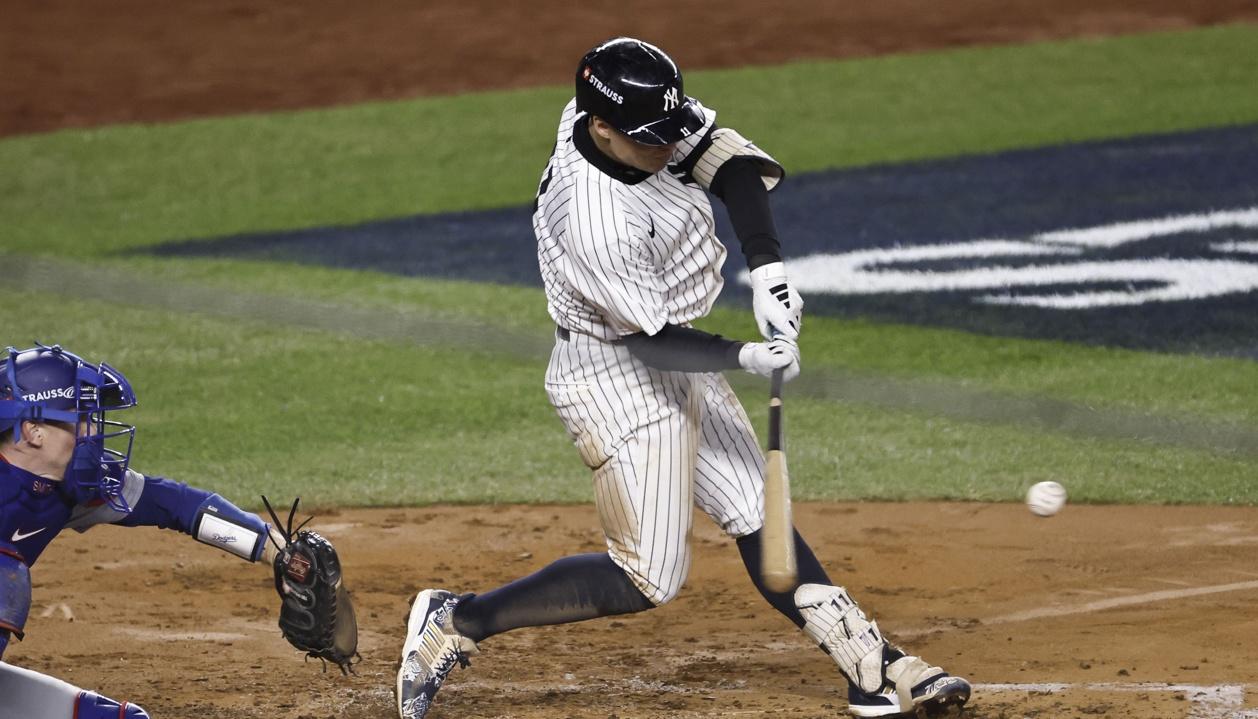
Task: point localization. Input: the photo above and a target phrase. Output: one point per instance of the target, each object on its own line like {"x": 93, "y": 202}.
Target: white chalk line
{"x": 1087, "y": 607}
{"x": 156, "y": 635}
{"x": 1218, "y": 701}
{"x": 1172, "y": 582}
{"x": 1223, "y": 701}
{"x": 1137, "y": 599}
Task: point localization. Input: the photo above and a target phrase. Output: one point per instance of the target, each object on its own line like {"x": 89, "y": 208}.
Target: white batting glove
{"x": 763, "y": 357}
{"x": 777, "y": 305}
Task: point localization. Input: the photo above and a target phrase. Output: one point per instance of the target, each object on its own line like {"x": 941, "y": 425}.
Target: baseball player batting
{"x": 64, "y": 463}
{"x": 629, "y": 258}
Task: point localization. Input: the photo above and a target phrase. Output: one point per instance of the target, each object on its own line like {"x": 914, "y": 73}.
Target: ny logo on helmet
{"x": 670, "y": 99}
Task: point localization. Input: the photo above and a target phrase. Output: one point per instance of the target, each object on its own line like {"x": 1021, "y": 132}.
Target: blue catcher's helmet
{"x": 49, "y": 384}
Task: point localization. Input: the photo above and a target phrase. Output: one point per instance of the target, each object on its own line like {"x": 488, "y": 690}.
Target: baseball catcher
{"x": 65, "y": 463}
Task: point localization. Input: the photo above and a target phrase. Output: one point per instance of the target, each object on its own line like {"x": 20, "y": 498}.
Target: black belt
{"x": 566, "y": 335}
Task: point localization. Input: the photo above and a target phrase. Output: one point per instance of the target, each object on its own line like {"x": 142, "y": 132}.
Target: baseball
{"x": 1046, "y": 498}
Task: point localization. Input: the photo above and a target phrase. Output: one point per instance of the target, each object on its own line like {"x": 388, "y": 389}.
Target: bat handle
{"x": 775, "y": 411}
{"x": 775, "y": 380}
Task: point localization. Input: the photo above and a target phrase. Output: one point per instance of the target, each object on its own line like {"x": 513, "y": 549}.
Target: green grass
{"x": 244, "y": 399}
{"x": 900, "y": 108}
{"x": 843, "y": 452}
{"x": 88, "y": 192}
{"x": 245, "y": 406}
{"x": 248, "y": 408}
{"x": 1175, "y": 385}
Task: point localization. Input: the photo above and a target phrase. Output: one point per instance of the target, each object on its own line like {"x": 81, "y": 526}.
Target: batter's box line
{"x": 1218, "y": 701}
{"x": 1086, "y": 608}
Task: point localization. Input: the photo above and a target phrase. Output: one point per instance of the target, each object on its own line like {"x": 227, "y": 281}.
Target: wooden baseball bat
{"x": 777, "y": 545}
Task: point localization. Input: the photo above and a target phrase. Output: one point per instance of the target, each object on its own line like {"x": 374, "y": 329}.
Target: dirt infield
{"x": 72, "y": 64}
{"x": 1100, "y": 611}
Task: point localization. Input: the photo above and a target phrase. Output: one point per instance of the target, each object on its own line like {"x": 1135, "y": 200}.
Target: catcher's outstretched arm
{"x": 159, "y": 502}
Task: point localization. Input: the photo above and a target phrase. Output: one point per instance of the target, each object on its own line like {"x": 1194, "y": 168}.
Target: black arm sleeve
{"x": 739, "y": 186}
{"x": 684, "y": 349}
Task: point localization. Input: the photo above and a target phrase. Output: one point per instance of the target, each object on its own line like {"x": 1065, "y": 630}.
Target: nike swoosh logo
{"x": 652, "y": 232}
{"x": 18, "y": 536}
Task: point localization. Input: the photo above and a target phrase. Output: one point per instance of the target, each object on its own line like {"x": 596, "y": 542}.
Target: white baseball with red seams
{"x": 1045, "y": 499}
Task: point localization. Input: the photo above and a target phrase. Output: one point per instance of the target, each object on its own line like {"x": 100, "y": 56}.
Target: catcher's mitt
{"x": 317, "y": 615}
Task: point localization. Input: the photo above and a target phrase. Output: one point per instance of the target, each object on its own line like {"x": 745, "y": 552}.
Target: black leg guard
{"x": 810, "y": 572}
{"x": 571, "y": 589}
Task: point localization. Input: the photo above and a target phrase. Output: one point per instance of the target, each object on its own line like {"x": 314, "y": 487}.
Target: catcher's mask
{"x": 49, "y": 384}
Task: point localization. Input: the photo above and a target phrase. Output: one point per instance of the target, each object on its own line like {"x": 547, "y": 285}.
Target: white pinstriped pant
{"x": 658, "y": 443}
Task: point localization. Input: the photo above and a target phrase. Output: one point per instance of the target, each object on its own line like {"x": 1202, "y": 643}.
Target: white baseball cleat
{"x": 432, "y": 649}
{"x": 912, "y": 688}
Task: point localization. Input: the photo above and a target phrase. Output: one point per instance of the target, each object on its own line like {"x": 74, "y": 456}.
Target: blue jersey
{"x": 34, "y": 510}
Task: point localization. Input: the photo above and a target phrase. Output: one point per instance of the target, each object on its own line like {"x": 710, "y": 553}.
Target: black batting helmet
{"x": 636, "y": 88}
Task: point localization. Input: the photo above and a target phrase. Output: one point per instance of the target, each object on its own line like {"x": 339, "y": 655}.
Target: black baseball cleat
{"x": 432, "y": 649}
{"x": 912, "y": 688}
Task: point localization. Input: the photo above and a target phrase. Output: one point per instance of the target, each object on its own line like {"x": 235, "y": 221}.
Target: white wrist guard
{"x": 221, "y": 524}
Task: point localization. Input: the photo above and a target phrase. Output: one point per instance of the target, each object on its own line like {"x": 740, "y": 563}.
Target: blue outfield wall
{"x": 1149, "y": 242}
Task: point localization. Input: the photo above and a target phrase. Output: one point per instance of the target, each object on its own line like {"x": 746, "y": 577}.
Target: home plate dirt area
{"x": 1099, "y": 611}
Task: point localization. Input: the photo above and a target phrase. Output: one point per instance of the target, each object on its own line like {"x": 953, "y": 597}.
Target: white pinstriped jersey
{"x": 623, "y": 251}
{"x": 620, "y": 258}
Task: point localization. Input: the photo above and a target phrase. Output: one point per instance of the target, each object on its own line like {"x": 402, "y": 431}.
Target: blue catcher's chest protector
{"x": 32, "y": 512}
{"x": 23, "y": 507}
